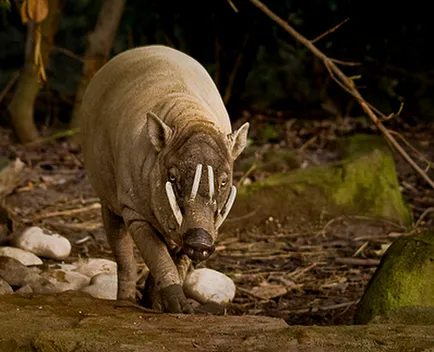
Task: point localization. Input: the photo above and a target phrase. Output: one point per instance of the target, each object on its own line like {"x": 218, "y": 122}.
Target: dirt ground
{"x": 309, "y": 275}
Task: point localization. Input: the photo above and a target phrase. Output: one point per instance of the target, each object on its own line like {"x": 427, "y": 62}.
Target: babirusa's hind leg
{"x": 121, "y": 244}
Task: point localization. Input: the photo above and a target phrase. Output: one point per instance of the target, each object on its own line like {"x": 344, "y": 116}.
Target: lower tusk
{"x": 196, "y": 181}
{"x": 173, "y": 204}
{"x": 211, "y": 182}
{"x": 222, "y": 217}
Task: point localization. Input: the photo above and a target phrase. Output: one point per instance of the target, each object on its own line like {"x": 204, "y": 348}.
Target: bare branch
{"x": 231, "y": 4}
{"x": 331, "y": 30}
{"x": 345, "y": 83}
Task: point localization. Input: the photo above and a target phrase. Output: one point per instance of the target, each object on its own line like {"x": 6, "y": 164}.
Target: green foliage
{"x": 5, "y": 5}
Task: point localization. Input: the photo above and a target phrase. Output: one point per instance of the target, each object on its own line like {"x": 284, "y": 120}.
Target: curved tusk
{"x": 211, "y": 182}
{"x": 222, "y": 216}
{"x": 196, "y": 181}
{"x": 173, "y": 204}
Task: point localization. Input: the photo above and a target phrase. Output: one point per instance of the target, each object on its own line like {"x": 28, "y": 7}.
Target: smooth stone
{"x": 21, "y": 255}
{"x": 40, "y": 242}
{"x": 13, "y": 271}
{"x": 63, "y": 266}
{"x": 54, "y": 281}
{"x": 24, "y": 290}
{"x": 94, "y": 266}
{"x": 207, "y": 285}
{"x": 5, "y": 288}
{"x": 103, "y": 286}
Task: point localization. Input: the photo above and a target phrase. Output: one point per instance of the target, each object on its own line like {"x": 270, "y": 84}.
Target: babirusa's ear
{"x": 238, "y": 140}
{"x": 159, "y": 133}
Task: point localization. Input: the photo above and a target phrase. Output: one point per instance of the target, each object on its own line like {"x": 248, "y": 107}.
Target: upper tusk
{"x": 211, "y": 181}
{"x": 173, "y": 204}
{"x": 222, "y": 216}
{"x": 196, "y": 181}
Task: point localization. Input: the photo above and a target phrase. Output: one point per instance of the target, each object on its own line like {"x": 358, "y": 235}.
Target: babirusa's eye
{"x": 172, "y": 174}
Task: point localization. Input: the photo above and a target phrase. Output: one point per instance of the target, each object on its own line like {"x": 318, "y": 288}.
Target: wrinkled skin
{"x": 148, "y": 118}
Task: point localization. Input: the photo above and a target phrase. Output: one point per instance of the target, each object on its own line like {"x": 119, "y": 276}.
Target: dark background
{"x": 391, "y": 40}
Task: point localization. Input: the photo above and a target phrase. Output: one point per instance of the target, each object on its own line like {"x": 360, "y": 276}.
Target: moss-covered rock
{"x": 359, "y": 144}
{"x": 363, "y": 185}
{"x": 405, "y": 277}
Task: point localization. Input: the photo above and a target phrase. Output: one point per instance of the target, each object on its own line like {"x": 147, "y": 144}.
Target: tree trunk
{"x": 21, "y": 107}
{"x": 99, "y": 44}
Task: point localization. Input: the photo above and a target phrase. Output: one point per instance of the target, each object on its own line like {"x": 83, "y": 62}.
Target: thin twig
{"x": 68, "y": 53}
{"x": 64, "y": 212}
{"x": 360, "y": 249}
{"x": 11, "y": 82}
{"x": 231, "y": 4}
{"x": 246, "y": 174}
{"x": 331, "y": 30}
{"x": 357, "y": 261}
{"x": 343, "y": 80}
{"x": 345, "y": 63}
{"x": 425, "y": 213}
{"x": 315, "y": 309}
{"x": 407, "y": 143}
{"x": 53, "y": 137}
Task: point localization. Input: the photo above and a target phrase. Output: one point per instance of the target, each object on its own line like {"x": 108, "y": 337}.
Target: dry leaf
{"x": 23, "y": 11}
{"x": 268, "y": 291}
{"x": 37, "y": 10}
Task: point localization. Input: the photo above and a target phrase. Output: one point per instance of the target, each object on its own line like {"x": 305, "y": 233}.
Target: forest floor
{"x": 311, "y": 275}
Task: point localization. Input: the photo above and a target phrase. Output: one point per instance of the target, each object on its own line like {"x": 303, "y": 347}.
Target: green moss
{"x": 366, "y": 185}
{"x": 359, "y": 144}
{"x": 405, "y": 277}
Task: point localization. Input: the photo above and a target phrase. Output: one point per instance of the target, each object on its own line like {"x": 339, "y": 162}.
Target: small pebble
{"x": 94, "y": 266}
{"x": 53, "y": 281}
{"x": 21, "y": 255}
{"x": 40, "y": 242}
{"x": 13, "y": 271}
{"x": 103, "y": 286}
{"x": 5, "y": 288}
{"x": 207, "y": 285}
{"x": 24, "y": 290}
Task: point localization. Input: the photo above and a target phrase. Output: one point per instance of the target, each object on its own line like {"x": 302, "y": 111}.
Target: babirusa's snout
{"x": 198, "y": 244}
{"x": 221, "y": 216}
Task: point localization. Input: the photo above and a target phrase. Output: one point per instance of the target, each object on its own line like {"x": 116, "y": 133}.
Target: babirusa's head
{"x": 191, "y": 182}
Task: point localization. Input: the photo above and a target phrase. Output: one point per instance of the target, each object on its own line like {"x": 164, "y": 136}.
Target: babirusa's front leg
{"x": 161, "y": 266}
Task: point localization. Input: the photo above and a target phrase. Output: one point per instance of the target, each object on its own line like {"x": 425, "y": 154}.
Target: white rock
{"x": 63, "y": 266}
{"x": 94, "y": 266}
{"x": 53, "y": 281}
{"x": 40, "y": 242}
{"x": 24, "y": 290}
{"x": 207, "y": 285}
{"x": 5, "y": 288}
{"x": 21, "y": 255}
{"x": 103, "y": 286}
